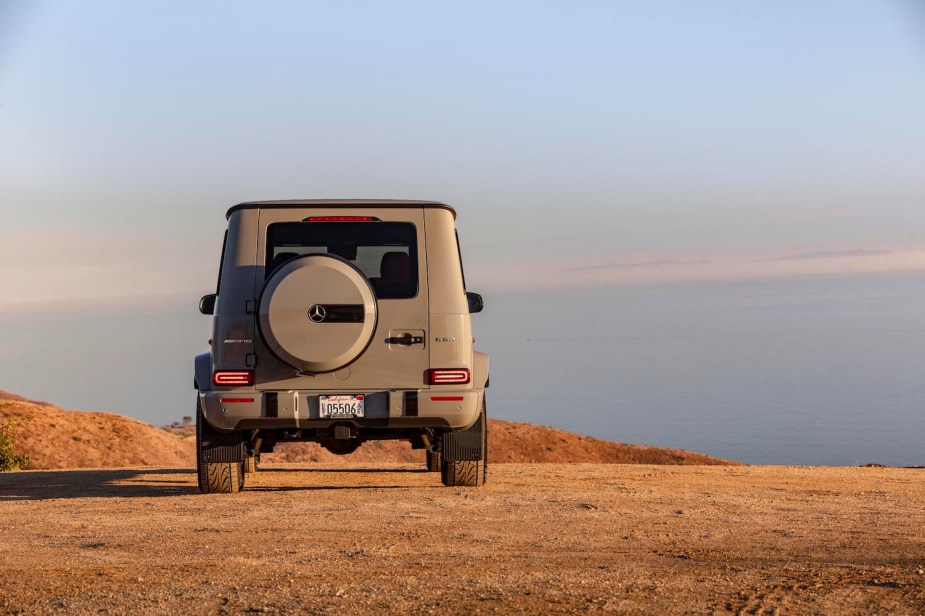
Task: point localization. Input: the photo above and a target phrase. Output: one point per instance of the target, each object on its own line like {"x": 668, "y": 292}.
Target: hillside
{"x": 509, "y": 442}
{"x": 55, "y": 438}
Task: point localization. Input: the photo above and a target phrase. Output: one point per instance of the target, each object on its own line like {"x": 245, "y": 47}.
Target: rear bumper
{"x": 248, "y": 410}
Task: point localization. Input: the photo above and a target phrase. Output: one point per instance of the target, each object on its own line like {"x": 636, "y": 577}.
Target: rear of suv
{"x": 340, "y": 322}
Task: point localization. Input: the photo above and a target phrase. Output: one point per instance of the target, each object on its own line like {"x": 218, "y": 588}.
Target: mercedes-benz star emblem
{"x": 317, "y": 313}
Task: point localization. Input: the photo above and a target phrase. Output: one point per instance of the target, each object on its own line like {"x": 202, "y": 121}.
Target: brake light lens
{"x": 342, "y": 219}
{"x": 448, "y": 376}
{"x": 233, "y": 377}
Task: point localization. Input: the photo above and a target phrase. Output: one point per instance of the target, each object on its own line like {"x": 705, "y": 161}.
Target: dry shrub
{"x": 9, "y": 459}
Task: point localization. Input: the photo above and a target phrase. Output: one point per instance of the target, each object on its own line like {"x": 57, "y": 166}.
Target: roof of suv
{"x": 338, "y": 203}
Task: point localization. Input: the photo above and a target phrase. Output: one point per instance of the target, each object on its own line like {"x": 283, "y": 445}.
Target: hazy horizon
{"x": 812, "y": 370}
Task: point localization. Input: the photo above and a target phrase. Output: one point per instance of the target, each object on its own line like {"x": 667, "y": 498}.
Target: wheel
{"x": 312, "y": 344}
{"x": 470, "y": 473}
{"x": 252, "y": 463}
{"x": 433, "y": 461}
{"x": 215, "y": 477}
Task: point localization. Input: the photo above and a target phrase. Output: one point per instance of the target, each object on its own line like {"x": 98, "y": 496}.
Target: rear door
{"x": 388, "y": 246}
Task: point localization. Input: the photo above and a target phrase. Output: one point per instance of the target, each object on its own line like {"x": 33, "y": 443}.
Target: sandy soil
{"x": 538, "y": 538}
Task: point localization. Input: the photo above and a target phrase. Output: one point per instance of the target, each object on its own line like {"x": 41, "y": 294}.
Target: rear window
{"x": 386, "y": 252}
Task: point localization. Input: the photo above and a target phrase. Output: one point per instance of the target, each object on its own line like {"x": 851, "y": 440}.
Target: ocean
{"x": 819, "y": 370}
{"x": 826, "y": 371}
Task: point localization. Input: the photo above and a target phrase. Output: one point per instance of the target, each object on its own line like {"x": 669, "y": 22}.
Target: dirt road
{"x": 538, "y": 538}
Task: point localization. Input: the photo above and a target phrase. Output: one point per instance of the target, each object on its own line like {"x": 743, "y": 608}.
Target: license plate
{"x": 341, "y": 406}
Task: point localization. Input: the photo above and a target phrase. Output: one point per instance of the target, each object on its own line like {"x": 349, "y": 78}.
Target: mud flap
{"x": 218, "y": 447}
{"x": 465, "y": 445}
{"x": 223, "y": 453}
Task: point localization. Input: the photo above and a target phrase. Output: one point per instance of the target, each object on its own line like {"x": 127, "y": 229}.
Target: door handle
{"x": 406, "y": 340}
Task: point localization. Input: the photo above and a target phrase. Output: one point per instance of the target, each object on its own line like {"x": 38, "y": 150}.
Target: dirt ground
{"x": 538, "y": 538}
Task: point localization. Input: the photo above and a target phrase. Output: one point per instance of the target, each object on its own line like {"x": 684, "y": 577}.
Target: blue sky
{"x": 583, "y": 143}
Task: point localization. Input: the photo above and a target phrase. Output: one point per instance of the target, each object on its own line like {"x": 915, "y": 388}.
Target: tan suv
{"x": 340, "y": 322}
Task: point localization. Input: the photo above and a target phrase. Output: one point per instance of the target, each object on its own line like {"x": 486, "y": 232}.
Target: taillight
{"x": 233, "y": 377}
{"x": 448, "y": 376}
{"x": 342, "y": 219}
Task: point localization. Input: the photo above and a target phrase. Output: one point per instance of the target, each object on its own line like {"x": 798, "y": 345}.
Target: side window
{"x": 461, "y": 269}
{"x": 386, "y": 252}
{"x": 221, "y": 264}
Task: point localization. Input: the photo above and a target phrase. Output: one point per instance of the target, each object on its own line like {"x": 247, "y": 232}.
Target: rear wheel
{"x": 252, "y": 463}
{"x": 433, "y": 461}
{"x": 215, "y": 477}
{"x": 468, "y": 473}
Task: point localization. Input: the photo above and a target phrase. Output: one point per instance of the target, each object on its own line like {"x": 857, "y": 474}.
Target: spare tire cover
{"x": 317, "y": 313}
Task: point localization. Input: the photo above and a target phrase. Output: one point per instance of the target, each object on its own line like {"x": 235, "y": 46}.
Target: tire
{"x": 472, "y": 474}
{"x": 215, "y": 477}
{"x": 433, "y": 461}
{"x": 296, "y": 288}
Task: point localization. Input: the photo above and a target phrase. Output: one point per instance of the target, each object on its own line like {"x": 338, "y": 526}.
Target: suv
{"x": 340, "y": 322}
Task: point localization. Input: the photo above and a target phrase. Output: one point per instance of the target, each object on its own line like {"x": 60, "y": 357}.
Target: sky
{"x": 584, "y": 143}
